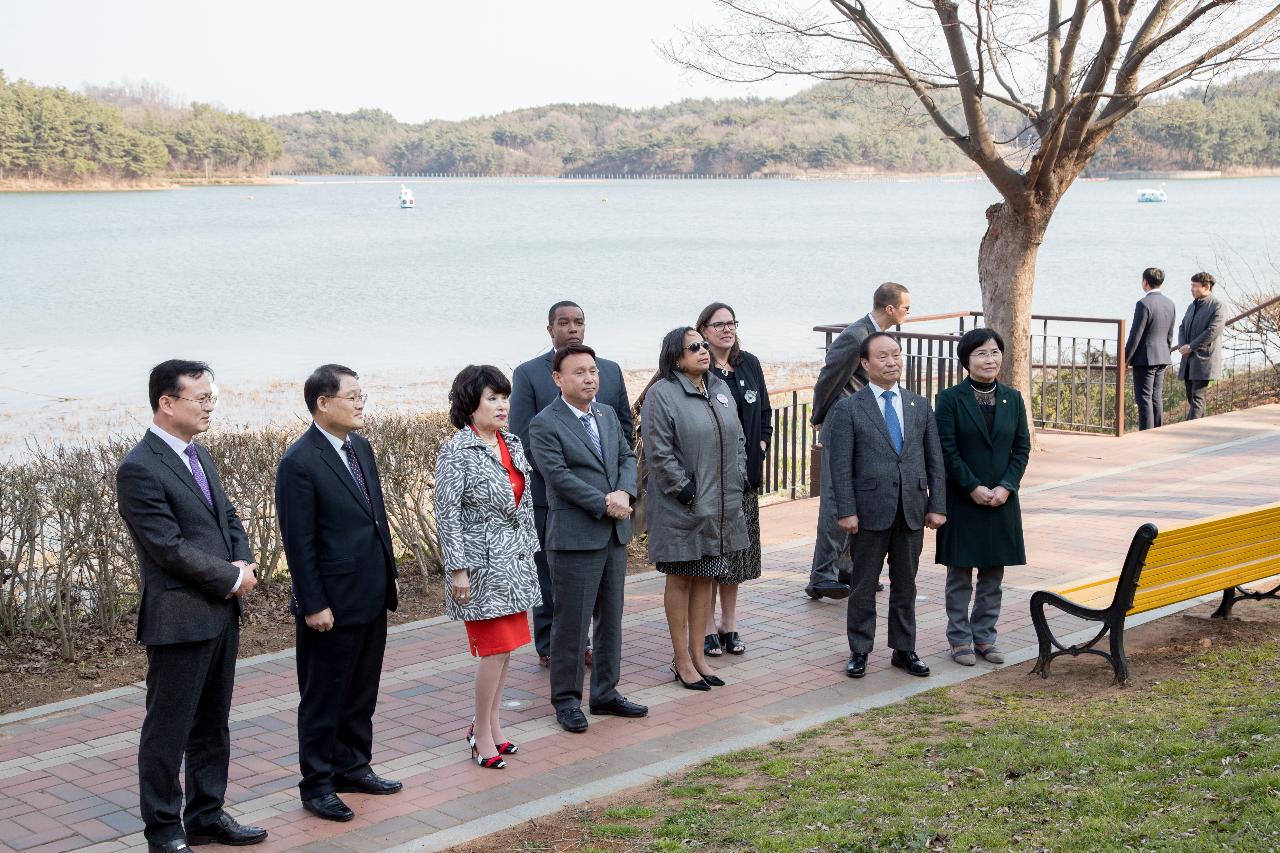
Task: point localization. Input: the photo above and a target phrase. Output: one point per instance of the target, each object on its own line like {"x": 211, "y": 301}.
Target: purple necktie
{"x": 355, "y": 470}
{"x": 198, "y": 473}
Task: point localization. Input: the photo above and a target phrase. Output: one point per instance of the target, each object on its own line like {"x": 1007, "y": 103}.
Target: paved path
{"x": 67, "y": 771}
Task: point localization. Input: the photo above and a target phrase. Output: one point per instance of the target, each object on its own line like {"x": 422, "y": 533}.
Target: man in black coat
{"x": 195, "y": 566}
{"x": 338, "y": 547}
{"x": 1148, "y": 348}
{"x": 532, "y": 390}
{"x": 1200, "y": 343}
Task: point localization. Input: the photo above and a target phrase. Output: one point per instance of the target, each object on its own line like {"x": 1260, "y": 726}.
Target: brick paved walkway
{"x": 67, "y": 772}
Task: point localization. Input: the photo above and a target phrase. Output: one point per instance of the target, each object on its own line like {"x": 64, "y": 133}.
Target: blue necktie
{"x": 595, "y": 442}
{"x": 891, "y": 422}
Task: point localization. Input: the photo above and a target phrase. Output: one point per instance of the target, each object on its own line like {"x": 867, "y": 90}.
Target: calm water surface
{"x": 97, "y": 287}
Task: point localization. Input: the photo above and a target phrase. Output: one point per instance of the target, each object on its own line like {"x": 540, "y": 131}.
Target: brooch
{"x": 722, "y": 400}
{"x": 750, "y": 396}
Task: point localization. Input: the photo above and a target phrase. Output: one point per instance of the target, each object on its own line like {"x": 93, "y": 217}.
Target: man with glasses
{"x": 195, "y": 566}
{"x": 338, "y": 546}
{"x": 532, "y": 390}
{"x": 842, "y": 375}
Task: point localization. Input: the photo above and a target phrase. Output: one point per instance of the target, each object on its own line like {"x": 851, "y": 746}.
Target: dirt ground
{"x": 1157, "y": 651}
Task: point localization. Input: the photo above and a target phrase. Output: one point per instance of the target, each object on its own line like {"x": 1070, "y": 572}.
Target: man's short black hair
{"x": 468, "y": 389}
{"x": 324, "y": 381}
{"x": 571, "y": 349}
{"x": 1204, "y": 278}
{"x": 973, "y": 339}
{"x": 165, "y": 376}
{"x": 864, "y": 351}
{"x": 1153, "y": 276}
{"x": 564, "y": 303}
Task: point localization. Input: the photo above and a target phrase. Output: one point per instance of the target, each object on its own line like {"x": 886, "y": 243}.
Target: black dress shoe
{"x": 173, "y": 846}
{"x": 910, "y": 662}
{"x": 329, "y": 807}
{"x": 857, "y": 665}
{"x": 831, "y": 589}
{"x": 572, "y": 719}
{"x": 226, "y": 831}
{"x": 620, "y": 707}
{"x": 812, "y": 593}
{"x": 370, "y": 783}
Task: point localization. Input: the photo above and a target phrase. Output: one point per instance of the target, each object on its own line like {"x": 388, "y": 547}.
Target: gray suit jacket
{"x": 184, "y": 547}
{"x": 533, "y": 389}
{"x": 578, "y": 478}
{"x": 1151, "y": 334}
{"x": 1201, "y": 329}
{"x": 869, "y": 478}
{"x": 842, "y": 372}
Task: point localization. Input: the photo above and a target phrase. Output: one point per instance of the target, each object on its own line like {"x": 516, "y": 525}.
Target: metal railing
{"x": 787, "y": 463}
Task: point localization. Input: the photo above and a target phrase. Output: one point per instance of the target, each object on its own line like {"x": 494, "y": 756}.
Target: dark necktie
{"x": 198, "y": 472}
{"x": 891, "y": 421}
{"x": 356, "y": 471}
{"x": 595, "y": 441}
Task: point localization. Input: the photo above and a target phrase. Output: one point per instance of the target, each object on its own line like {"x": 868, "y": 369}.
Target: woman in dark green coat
{"x": 982, "y": 426}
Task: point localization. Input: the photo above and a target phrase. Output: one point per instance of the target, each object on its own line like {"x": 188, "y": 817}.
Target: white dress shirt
{"x": 897, "y": 403}
{"x": 579, "y": 414}
{"x": 337, "y": 448}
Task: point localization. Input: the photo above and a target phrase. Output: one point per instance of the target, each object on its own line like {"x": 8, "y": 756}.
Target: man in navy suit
{"x": 1148, "y": 348}
{"x": 532, "y": 390}
{"x": 338, "y": 546}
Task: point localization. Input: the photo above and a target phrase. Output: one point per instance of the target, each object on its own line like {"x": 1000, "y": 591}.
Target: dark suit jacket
{"x": 337, "y": 546}
{"x": 533, "y": 389}
{"x": 1201, "y": 329}
{"x": 842, "y": 373}
{"x": 185, "y": 548}
{"x": 1151, "y": 335}
{"x": 869, "y": 478}
{"x": 578, "y": 478}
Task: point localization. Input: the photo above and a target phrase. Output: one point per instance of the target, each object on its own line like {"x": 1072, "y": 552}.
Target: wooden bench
{"x": 1218, "y": 554}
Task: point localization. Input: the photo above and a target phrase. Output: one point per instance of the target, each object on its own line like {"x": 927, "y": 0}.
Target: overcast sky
{"x": 418, "y": 60}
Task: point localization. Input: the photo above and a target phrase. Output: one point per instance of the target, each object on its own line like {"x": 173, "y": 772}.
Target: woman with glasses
{"x": 488, "y": 540}
{"x": 741, "y": 371}
{"x": 697, "y": 461}
{"x": 982, "y": 426}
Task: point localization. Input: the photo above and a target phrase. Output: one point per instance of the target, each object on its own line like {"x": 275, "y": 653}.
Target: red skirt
{"x": 498, "y": 636}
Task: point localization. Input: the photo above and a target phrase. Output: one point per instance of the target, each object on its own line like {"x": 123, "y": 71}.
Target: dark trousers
{"x": 869, "y": 548}
{"x": 1148, "y": 394}
{"x": 588, "y": 584}
{"x": 1196, "y": 390}
{"x": 338, "y": 675}
{"x": 188, "y": 702}
{"x": 542, "y": 613}
{"x": 831, "y": 546}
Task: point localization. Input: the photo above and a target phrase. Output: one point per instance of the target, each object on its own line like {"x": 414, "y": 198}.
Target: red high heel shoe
{"x": 495, "y": 762}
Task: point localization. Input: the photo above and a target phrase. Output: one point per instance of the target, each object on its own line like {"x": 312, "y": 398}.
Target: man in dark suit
{"x": 589, "y": 469}
{"x": 889, "y": 483}
{"x": 338, "y": 547}
{"x": 1200, "y": 343}
{"x": 195, "y": 566}
{"x": 1148, "y": 348}
{"x": 532, "y": 390}
{"x": 842, "y": 375}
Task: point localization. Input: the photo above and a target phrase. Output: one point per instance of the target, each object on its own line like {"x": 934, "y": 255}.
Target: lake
{"x": 266, "y": 282}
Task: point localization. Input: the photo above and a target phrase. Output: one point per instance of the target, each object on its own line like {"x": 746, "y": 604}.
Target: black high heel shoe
{"x": 494, "y": 763}
{"x": 713, "y": 680}
{"x": 700, "y": 684}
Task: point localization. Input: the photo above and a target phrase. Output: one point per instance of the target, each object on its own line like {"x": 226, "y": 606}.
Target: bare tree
{"x": 1070, "y": 70}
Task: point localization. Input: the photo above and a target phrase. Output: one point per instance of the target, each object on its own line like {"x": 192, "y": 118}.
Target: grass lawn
{"x": 1189, "y": 760}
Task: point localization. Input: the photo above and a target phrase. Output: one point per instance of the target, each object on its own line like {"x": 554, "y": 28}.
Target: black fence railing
{"x": 786, "y": 465}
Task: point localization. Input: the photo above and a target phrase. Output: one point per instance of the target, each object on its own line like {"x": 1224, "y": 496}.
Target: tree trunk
{"x": 1007, "y": 275}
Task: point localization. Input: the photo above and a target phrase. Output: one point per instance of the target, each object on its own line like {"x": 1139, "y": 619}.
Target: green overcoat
{"x": 975, "y": 535}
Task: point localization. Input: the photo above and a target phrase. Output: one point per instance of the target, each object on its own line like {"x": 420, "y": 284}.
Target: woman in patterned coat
{"x": 488, "y": 539}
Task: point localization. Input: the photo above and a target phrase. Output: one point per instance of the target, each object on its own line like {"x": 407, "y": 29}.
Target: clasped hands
{"x": 617, "y": 505}
{"x": 248, "y": 578}
{"x": 932, "y": 520}
{"x": 990, "y": 497}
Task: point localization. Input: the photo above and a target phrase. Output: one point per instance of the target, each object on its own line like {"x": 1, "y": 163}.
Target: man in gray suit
{"x": 1148, "y": 348}
{"x": 889, "y": 483}
{"x": 532, "y": 390}
{"x": 589, "y": 468}
{"x": 842, "y": 375}
{"x": 1200, "y": 343}
{"x": 195, "y": 566}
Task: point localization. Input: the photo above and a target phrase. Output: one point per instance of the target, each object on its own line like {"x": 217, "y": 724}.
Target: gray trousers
{"x": 588, "y": 584}
{"x": 967, "y": 626}
{"x": 1148, "y": 395}
{"x": 869, "y": 548}
{"x": 831, "y": 549}
{"x": 1196, "y": 390}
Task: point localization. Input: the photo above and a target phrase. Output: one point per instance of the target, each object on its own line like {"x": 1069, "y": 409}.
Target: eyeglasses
{"x": 207, "y": 402}
{"x": 363, "y": 398}
{"x": 724, "y": 324}
{"x": 699, "y": 346}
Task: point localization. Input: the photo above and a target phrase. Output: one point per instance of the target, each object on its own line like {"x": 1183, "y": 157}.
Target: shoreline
{"x": 43, "y": 185}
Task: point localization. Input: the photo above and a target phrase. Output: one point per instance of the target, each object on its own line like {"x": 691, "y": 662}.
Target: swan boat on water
{"x": 1152, "y": 195}
{"x": 406, "y": 198}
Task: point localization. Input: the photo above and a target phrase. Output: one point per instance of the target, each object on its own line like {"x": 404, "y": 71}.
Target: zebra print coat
{"x": 483, "y": 531}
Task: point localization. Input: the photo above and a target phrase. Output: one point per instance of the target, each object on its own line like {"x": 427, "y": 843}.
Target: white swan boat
{"x": 1152, "y": 195}
{"x": 406, "y": 197}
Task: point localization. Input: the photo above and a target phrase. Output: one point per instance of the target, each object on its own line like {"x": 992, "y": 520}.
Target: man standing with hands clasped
{"x": 1148, "y": 347}
{"x": 586, "y": 460}
{"x": 1200, "y": 343}
{"x": 195, "y": 566}
{"x": 888, "y": 481}
{"x": 338, "y": 546}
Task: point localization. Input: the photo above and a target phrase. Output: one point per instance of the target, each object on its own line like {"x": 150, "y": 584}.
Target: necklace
{"x": 985, "y": 396}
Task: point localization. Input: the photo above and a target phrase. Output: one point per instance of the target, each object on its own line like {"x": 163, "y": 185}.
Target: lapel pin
{"x": 722, "y": 400}
{"x": 1004, "y": 401}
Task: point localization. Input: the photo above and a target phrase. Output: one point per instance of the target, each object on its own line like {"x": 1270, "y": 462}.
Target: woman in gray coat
{"x": 697, "y": 470}
{"x": 488, "y": 539}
